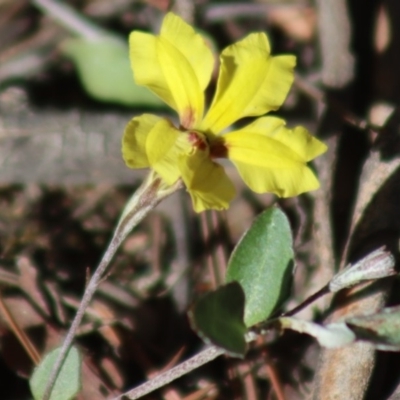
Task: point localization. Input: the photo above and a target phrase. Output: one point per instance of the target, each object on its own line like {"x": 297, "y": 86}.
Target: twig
{"x": 325, "y": 290}
{"x": 335, "y": 37}
{"x": 319, "y": 96}
{"x": 70, "y": 19}
{"x": 212, "y": 352}
{"x": 19, "y": 333}
{"x": 375, "y": 265}
{"x": 163, "y": 379}
{"x": 274, "y": 378}
{"x": 142, "y": 202}
{"x": 222, "y": 12}
{"x": 213, "y": 240}
{"x": 8, "y": 278}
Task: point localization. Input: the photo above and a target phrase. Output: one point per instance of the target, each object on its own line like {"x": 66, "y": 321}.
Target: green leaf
{"x": 262, "y": 263}
{"x": 218, "y": 319}
{"x": 381, "y": 329}
{"x": 104, "y": 69}
{"x": 68, "y": 382}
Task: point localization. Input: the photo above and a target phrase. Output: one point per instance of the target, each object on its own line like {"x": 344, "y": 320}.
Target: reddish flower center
{"x": 197, "y": 140}
{"x": 218, "y": 149}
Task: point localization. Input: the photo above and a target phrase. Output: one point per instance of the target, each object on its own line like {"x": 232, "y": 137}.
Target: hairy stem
{"x": 149, "y": 194}
{"x": 207, "y": 355}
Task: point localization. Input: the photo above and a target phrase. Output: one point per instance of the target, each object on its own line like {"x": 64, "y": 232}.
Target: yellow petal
{"x": 251, "y": 82}
{"x": 284, "y": 182}
{"x": 299, "y": 139}
{"x": 134, "y": 140}
{"x": 176, "y": 65}
{"x": 274, "y": 160}
{"x": 192, "y": 45}
{"x": 206, "y": 182}
{"x": 162, "y": 150}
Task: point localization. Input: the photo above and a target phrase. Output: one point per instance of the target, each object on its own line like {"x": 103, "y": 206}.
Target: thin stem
{"x": 19, "y": 333}
{"x": 142, "y": 202}
{"x": 70, "y": 19}
{"x": 319, "y": 96}
{"x": 87, "y": 297}
{"x": 274, "y": 378}
{"x": 163, "y": 379}
{"x": 322, "y": 292}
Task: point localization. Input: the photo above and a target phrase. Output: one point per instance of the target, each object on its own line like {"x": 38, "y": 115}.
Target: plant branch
{"x": 207, "y": 355}
{"x": 22, "y": 337}
{"x": 322, "y": 292}
{"x": 70, "y": 19}
{"x": 149, "y": 194}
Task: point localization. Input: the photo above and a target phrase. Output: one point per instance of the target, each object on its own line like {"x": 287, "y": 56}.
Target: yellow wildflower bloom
{"x": 177, "y": 66}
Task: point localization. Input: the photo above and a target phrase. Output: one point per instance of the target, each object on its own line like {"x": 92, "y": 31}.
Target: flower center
{"x": 192, "y": 142}
{"x": 218, "y": 148}
{"x": 198, "y": 140}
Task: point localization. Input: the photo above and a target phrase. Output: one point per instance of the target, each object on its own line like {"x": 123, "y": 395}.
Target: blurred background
{"x": 66, "y": 94}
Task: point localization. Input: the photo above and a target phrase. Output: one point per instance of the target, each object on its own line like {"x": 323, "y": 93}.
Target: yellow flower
{"x": 177, "y": 66}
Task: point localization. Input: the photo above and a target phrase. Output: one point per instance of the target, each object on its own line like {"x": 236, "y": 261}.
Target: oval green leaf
{"x": 68, "y": 382}
{"x": 105, "y": 72}
{"x": 218, "y": 319}
{"x": 262, "y": 263}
